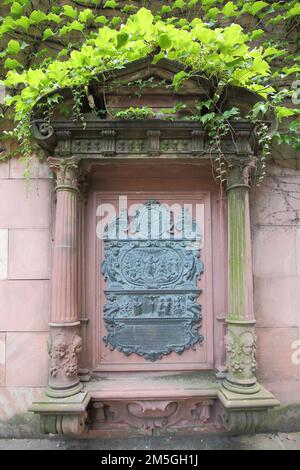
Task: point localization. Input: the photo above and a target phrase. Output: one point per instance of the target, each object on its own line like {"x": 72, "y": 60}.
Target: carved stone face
{"x": 228, "y": 343}
{"x": 247, "y": 344}
{"x": 60, "y": 347}
{"x": 77, "y": 344}
{"x": 61, "y": 351}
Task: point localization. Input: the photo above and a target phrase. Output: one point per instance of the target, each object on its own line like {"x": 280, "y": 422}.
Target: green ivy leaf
{"x": 283, "y": 111}
{"x": 76, "y": 26}
{"x": 85, "y": 15}
{"x": 101, "y": 19}
{"x": 276, "y": 20}
{"x": 47, "y": 34}
{"x": 178, "y": 4}
{"x": 254, "y": 8}
{"x": 116, "y": 20}
{"x": 53, "y": 17}
{"x": 260, "y": 66}
{"x": 63, "y": 52}
{"x": 229, "y": 9}
{"x": 69, "y": 11}
{"x": 16, "y": 9}
{"x": 13, "y": 47}
{"x": 208, "y": 3}
{"x": 129, "y": 8}
{"x": 24, "y": 22}
{"x": 213, "y": 13}
{"x": 289, "y": 70}
{"x": 164, "y": 41}
{"x": 230, "y": 113}
{"x": 178, "y": 79}
{"x": 165, "y": 9}
{"x": 257, "y": 33}
{"x": 158, "y": 57}
{"x": 110, "y": 4}
{"x": 207, "y": 117}
{"x": 272, "y": 51}
{"x": 192, "y": 3}
{"x": 14, "y": 78}
{"x": 11, "y": 64}
{"x": 37, "y": 16}
{"x": 294, "y": 11}
{"x": 205, "y": 35}
{"x": 122, "y": 39}
{"x": 294, "y": 126}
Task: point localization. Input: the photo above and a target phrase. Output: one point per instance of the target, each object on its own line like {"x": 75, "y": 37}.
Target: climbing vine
{"x": 47, "y": 45}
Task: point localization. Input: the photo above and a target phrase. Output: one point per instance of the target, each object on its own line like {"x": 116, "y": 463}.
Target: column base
{"x": 64, "y": 392}
{"x": 245, "y": 412}
{"x": 62, "y": 415}
{"x": 246, "y": 387}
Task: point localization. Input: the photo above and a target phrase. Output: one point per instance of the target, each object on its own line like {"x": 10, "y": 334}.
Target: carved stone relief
{"x": 152, "y": 414}
{"x": 151, "y": 284}
{"x": 241, "y": 351}
{"x": 64, "y": 350}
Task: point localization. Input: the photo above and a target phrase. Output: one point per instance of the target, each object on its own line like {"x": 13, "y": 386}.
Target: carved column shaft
{"x": 241, "y": 339}
{"x": 239, "y": 237}
{"x": 65, "y": 344}
{"x": 64, "y": 289}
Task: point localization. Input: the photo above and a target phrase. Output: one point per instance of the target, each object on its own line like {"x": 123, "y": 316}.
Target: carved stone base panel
{"x": 63, "y": 424}
{"x": 64, "y": 347}
{"x": 148, "y": 415}
{"x": 241, "y": 361}
{"x": 243, "y": 421}
{"x": 62, "y": 416}
{"x": 244, "y": 413}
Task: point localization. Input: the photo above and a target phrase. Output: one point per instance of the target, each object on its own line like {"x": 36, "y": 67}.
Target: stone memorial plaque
{"x": 152, "y": 308}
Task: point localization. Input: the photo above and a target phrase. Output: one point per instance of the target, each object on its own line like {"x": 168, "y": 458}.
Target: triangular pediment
{"x": 143, "y": 84}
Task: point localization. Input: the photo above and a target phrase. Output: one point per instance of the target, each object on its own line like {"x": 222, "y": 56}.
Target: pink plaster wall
{"x": 276, "y": 264}
{"x": 25, "y": 266}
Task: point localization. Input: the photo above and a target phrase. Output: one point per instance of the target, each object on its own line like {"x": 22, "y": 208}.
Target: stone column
{"x": 240, "y": 338}
{"x": 65, "y": 343}
{"x": 83, "y": 371}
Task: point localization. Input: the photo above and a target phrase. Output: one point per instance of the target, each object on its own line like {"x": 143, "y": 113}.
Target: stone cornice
{"x": 145, "y": 138}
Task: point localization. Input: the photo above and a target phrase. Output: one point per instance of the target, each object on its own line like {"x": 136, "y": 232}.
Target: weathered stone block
{"x": 2, "y": 359}
{"x": 277, "y": 201}
{"x": 25, "y": 305}
{"x": 29, "y": 254}
{"x": 26, "y": 359}
{"x": 3, "y": 253}
{"x": 274, "y": 251}
{"x": 274, "y": 354}
{"x": 4, "y": 170}
{"x": 297, "y": 249}
{"x": 277, "y": 301}
{"x": 37, "y": 168}
{"x": 22, "y": 208}
{"x": 15, "y": 401}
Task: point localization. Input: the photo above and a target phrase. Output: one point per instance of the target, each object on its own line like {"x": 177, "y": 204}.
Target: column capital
{"x": 240, "y": 172}
{"x": 66, "y": 171}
